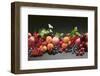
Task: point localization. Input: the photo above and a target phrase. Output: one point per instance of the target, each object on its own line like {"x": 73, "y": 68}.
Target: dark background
{"x": 60, "y": 23}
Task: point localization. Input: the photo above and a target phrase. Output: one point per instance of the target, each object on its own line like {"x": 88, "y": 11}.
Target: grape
{"x": 66, "y": 50}
{"x": 55, "y": 50}
{"x": 61, "y": 50}
{"x": 36, "y": 52}
{"x": 35, "y": 34}
{"x": 52, "y": 45}
{"x": 29, "y": 35}
{"x": 84, "y": 37}
{"x": 31, "y": 42}
{"x": 80, "y": 52}
{"x": 81, "y": 45}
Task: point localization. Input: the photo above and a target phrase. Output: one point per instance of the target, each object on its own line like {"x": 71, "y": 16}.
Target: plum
{"x": 55, "y": 40}
{"x": 50, "y": 46}
{"x": 66, "y": 39}
{"x": 48, "y": 39}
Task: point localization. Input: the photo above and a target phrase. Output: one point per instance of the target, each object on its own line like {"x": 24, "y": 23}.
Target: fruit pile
{"x": 45, "y": 41}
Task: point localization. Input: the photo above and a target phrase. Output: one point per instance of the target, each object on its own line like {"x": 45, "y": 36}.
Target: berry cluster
{"x": 52, "y": 44}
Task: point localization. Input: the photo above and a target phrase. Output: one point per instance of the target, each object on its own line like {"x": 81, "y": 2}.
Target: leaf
{"x": 75, "y": 32}
{"x": 43, "y": 32}
{"x": 72, "y": 33}
{"x": 75, "y": 29}
{"x": 50, "y": 30}
{"x": 59, "y": 34}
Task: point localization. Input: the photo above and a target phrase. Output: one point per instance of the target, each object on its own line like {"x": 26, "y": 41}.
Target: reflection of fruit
{"x": 55, "y": 40}
{"x": 64, "y": 45}
{"x": 66, "y": 39}
{"x": 50, "y": 46}
{"x": 48, "y": 39}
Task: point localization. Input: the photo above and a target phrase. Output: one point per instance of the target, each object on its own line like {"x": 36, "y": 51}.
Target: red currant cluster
{"x": 83, "y": 46}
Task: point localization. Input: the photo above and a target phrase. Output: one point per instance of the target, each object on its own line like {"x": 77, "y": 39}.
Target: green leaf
{"x": 43, "y": 32}
{"x": 75, "y": 29}
{"x": 59, "y": 34}
{"x": 75, "y": 32}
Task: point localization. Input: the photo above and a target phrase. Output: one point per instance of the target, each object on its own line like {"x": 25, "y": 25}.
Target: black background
{"x": 60, "y": 23}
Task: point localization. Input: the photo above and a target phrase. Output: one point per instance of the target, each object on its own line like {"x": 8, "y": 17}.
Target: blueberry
{"x": 49, "y": 53}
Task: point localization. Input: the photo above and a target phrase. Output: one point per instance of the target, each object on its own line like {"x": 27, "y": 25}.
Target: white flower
{"x": 50, "y": 26}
